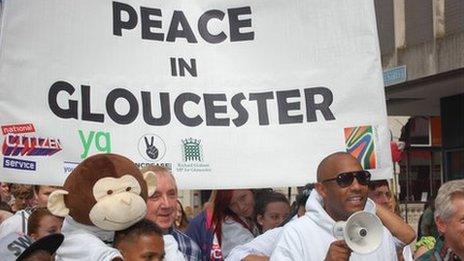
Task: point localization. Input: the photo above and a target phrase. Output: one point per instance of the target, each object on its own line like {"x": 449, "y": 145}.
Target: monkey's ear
{"x": 56, "y": 203}
{"x": 150, "y": 178}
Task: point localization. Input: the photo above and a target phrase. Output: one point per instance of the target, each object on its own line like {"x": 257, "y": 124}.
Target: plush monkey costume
{"x": 103, "y": 194}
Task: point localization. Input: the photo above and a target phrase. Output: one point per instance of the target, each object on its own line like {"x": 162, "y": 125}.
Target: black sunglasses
{"x": 345, "y": 179}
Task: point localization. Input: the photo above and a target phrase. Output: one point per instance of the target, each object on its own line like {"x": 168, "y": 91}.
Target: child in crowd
{"x": 141, "y": 241}
{"x": 19, "y": 247}
{"x": 232, "y": 219}
{"x": 262, "y": 246}
{"x": 18, "y": 222}
{"x": 270, "y": 210}
{"x": 42, "y": 223}
{"x": 5, "y": 193}
{"x": 225, "y": 223}
{"x": 23, "y": 194}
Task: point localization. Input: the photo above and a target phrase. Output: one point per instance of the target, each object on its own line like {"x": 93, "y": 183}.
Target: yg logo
{"x": 100, "y": 139}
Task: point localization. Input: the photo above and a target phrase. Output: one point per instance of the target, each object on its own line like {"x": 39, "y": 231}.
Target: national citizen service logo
{"x": 151, "y": 147}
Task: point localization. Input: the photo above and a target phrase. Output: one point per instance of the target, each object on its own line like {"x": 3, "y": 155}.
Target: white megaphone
{"x": 362, "y": 232}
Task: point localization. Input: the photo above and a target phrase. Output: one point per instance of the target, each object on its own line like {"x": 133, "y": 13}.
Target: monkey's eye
{"x": 128, "y": 189}
{"x": 109, "y": 192}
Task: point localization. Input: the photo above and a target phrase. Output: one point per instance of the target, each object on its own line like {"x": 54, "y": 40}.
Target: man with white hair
{"x": 161, "y": 209}
{"x": 449, "y": 217}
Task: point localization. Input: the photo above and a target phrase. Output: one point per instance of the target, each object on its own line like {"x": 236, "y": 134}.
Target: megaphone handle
{"x": 338, "y": 230}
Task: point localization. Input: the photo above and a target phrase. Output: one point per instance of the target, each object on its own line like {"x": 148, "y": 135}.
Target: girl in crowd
{"x": 181, "y": 221}
{"x": 42, "y": 223}
{"x": 23, "y": 196}
{"x": 232, "y": 219}
{"x": 270, "y": 210}
{"x": 5, "y": 192}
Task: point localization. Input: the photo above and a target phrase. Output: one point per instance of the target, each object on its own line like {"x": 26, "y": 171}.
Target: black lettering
{"x": 173, "y": 66}
{"x": 71, "y": 111}
{"x": 178, "y": 18}
{"x": 242, "y": 117}
{"x": 312, "y": 106}
{"x": 235, "y": 24}
{"x": 148, "y": 23}
{"x": 23, "y": 242}
{"x": 211, "y": 110}
{"x": 16, "y": 250}
{"x": 165, "y": 117}
{"x": 192, "y": 68}
{"x": 111, "y": 108}
{"x": 118, "y": 23}
{"x": 87, "y": 115}
{"x": 179, "y": 109}
{"x": 203, "y": 26}
{"x": 261, "y": 101}
{"x": 284, "y": 106}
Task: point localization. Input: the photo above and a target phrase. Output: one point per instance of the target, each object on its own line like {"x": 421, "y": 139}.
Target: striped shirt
{"x": 187, "y": 246}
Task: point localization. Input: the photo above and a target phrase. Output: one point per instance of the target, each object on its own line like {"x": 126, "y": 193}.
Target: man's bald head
{"x": 328, "y": 166}
{"x": 340, "y": 200}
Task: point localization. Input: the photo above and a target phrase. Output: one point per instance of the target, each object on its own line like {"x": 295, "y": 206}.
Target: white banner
{"x": 228, "y": 94}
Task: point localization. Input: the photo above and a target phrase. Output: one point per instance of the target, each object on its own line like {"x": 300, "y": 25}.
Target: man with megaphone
{"x": 341, "y": 190}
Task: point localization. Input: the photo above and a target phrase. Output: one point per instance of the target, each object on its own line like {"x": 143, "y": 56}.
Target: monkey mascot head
{"x": 105, "y": 190}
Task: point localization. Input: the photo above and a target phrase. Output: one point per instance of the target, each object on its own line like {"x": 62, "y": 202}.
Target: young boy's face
{"x": 146, "y": 248}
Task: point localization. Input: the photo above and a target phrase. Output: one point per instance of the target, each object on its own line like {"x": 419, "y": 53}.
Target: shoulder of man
{"x": 179, "y": 235}
{"x": 288, "y": 245}
{"x": 304, "y": 220}
{"x": 186, "y": 244}
{"x": 296, "y": 228}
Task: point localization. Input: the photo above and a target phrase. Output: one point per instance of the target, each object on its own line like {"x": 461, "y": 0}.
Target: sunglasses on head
{"x": 345, "y": 179}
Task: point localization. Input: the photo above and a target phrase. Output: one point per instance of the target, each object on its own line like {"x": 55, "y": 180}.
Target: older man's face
{"x": 341, "y": 202}
{"x": 453, "y": 228}
{"x": 161, "y": 207}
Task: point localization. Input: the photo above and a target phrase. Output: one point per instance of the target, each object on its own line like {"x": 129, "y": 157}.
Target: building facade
{"x": 422, "y": 49}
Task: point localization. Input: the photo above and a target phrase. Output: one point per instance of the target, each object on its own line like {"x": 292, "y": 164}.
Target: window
{"x": 419, "y": 21}
{"x": 454, "y": 18}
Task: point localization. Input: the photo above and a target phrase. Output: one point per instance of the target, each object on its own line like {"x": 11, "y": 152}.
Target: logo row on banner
{"x": 21, "y": 143}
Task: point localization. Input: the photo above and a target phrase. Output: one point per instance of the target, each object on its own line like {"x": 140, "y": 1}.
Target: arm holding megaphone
{"x": 396, "y": 225}
{"x": 338, "y": 250}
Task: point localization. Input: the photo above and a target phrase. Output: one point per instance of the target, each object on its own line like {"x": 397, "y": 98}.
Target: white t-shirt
{"x": 309, "y": 237}
{"x": 234, "y": 234}
{"x": 16, "y": 223}
{"x": 82, "y": 242}
{"x": 407, "y": 253}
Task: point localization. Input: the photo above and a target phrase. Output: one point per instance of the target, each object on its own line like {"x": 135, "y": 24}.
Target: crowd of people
{"x": 246, "y": 224}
